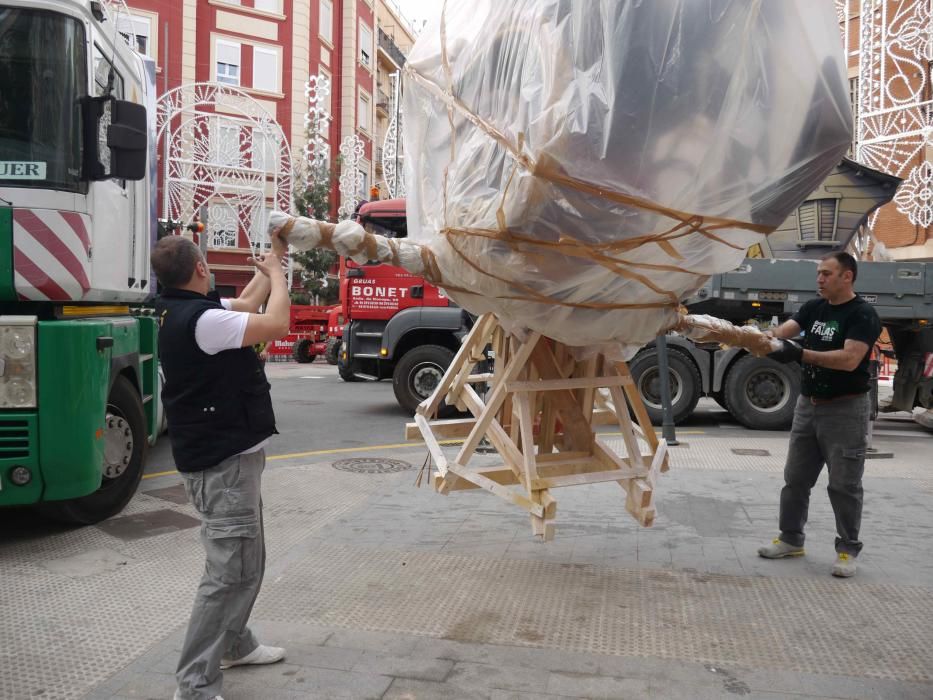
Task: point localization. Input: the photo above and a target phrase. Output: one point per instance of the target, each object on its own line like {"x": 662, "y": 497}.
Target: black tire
{"x": 761, "y": 393}
{"x": 301, "y": 351}
{"x": 332, "y": 350}
{"x": 125, "y": 445}
{"x": 685, "y": 384}
{"x": 347, "y": 373}
{"x": 418, "y": 373}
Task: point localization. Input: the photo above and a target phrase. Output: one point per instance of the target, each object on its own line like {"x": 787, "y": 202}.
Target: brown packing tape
{"x": 549, "y": 170}
{"x": 725, "y": 333}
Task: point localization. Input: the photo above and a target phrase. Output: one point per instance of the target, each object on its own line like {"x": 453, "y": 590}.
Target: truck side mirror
{"x": 120, "y": 151}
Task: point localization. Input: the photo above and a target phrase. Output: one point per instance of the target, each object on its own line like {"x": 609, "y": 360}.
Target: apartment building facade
{"x": 265, "y": 51}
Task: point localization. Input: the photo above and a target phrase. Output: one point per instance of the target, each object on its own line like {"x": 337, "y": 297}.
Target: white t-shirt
{"x": 218, "y": 330}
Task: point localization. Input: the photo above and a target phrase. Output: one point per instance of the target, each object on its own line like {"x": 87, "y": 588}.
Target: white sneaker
{"x": 257, "y": 657}
{"x": 779, "y": 549}
{"x": 178, "y": 697}
{"x": 844, "y": 566}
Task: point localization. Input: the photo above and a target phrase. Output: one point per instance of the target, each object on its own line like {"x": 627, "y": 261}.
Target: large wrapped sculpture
{"x": 579, "y": 167}
{"x": 574, "y": 169}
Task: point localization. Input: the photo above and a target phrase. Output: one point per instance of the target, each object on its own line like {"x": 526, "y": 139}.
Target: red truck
{"x": 310, "y": 334}
{"x": 396, "y": 324}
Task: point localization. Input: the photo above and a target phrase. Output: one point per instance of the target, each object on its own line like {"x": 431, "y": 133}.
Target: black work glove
{"x": 789, "y": 352}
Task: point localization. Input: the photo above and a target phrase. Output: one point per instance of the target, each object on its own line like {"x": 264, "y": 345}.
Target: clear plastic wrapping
{"x": 580, "y": 167}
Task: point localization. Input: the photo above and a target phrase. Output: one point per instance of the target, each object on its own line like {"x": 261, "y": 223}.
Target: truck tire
{"x": 761, "y": 393}
{"x": 332, "y": 351}
{"x": 346, "y": 373}
{"x": 125, "y": 446}
{"x": 301, "y": 351}
{"x": 685, "y": 384}
{"x": 418, "y": 373}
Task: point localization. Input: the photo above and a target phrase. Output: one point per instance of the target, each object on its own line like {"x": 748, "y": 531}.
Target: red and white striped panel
{"x": 50, "y": 254}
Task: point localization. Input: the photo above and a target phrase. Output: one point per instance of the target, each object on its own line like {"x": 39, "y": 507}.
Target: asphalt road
{"x": 317, "y": 412}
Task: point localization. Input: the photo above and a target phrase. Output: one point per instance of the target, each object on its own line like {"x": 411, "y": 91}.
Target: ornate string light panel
{"x": 351, "y": 179}
{"x": 392, "y": 156}
{"x": 317, "y": 122}
{"x": 892, "y": 41}
{"x": 223, "y": 151}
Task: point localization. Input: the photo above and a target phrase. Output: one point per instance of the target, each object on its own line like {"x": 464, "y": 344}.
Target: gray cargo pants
{"x": 227, "y": 497}
{"x": 834, "y": 434}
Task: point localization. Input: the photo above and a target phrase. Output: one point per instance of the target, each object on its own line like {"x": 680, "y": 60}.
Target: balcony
{"x": 382, "y": 102}
{"x": 388, "y": 45}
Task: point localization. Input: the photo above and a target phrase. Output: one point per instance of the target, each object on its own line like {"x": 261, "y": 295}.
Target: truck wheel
{"x": 418, "y": 373}
{"x": 125, "y": 446}
{"x": 332, "y": 351}
{"x": 346, "y": 373}
{"x": 685, "y": 384}
{"x": 761, "y": 393}
{"x": 301, "y": 351}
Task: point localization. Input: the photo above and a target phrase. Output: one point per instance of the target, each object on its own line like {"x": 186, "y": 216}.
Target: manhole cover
{"x": 750, "y": 452}
{"x": 371, "y": 465}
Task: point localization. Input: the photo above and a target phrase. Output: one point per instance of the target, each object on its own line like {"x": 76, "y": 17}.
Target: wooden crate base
{"x": 540, "y": 410}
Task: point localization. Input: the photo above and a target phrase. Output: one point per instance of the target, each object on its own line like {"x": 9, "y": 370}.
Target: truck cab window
{"x": 43, "y": 73}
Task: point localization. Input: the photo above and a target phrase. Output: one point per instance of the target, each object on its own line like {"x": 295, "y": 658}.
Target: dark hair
{"x": 174, "y": 259}
{"x": 846, "y": 262}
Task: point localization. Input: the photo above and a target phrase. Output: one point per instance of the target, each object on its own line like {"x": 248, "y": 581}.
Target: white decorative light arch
{"x": 392, "y": 156}
{"x": 892, "y": 102}
{"x": 351, "y": 180}
{"x": 221, "y": 149}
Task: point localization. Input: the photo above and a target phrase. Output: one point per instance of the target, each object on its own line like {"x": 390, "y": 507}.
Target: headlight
{"x": 17, "y": 361}
{"x": 17, "y": 343}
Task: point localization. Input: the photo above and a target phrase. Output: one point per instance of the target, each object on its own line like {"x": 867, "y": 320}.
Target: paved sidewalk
{"x": 381, "y": 590}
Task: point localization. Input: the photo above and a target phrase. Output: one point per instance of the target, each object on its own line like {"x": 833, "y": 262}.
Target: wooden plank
{"x": 572, "y": 383}
{"x": 588, "y": 394}
{"x": 433, "y": 447}
{"x": 496, "y": 433}
{"x": 500, "y": 473}
{"x": 499, "y": 393}
{"x": 478, "y": 336}
{"x": 554, "y": 482}
{"x": 501, "y": 491}
{"x": 526, "y": 423}
{"x": 577, "y": 432}
{"x": 638, "y": 406}
{"x": 625, "y": 425}
{"x": 442, "y": 429}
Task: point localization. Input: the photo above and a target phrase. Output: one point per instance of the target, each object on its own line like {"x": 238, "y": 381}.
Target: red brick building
{"x": 267, "y": 49}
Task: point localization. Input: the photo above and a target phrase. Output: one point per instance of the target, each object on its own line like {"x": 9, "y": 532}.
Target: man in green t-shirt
{"x": 832, "y": 413}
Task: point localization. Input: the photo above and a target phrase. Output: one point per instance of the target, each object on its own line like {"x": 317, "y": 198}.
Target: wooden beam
{"x": 478, "y": 334}
{"x": 488, "y": 412}
{"x": 554, "y": 482}
{"x": 442, "y": 429}
{"x": 501, "y": 491}
{"x": 572, "y": 383}
{"x": 433, "y": 447}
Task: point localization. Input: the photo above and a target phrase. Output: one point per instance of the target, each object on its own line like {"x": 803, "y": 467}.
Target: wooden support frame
{"x": 541, "y": 409}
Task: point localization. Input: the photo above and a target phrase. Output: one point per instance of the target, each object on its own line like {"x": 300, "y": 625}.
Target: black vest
{"x": 216, "y": 405}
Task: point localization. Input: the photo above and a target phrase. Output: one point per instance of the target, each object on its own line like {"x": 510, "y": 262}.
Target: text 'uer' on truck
{"x": 78, "y": 370}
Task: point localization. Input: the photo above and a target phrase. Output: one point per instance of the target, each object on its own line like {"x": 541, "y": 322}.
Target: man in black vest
{"x": 832, "y": 412}
{"x": 220, "y": 419}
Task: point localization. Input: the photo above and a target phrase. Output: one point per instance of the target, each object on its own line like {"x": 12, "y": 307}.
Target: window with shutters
{"x": 326, "y": 16}
{"x": 816, "y": 221}
{"x": 265, "y": 69}
{"x": 228, "y": 62}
